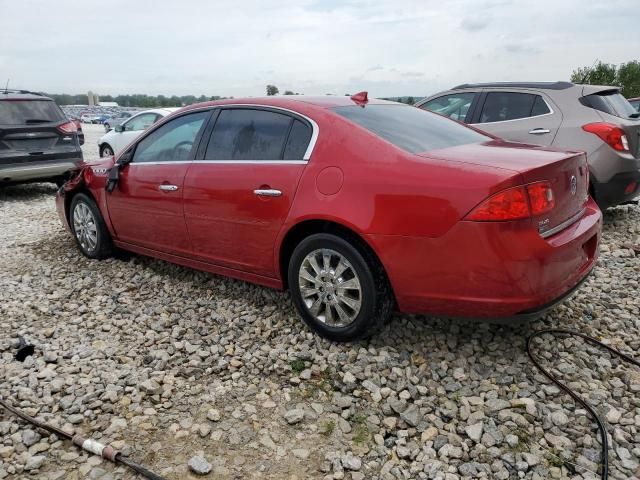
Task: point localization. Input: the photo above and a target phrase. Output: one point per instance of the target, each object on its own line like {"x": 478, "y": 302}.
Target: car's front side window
{"x": 251, "y": 134}
{"x": 173, "y": 141}
{"x": 502, "y": 106}
{"x": 455, "y": 106}
{"x": 141, "y": 122}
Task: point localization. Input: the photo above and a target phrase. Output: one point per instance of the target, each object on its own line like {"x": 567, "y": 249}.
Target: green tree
{"x": 272, "y": 90}
{"x": 289, "y": 92}
{"x": 410, "y": 100}
{"x": 598, "y": 74}
{"x": 629, "y": 78}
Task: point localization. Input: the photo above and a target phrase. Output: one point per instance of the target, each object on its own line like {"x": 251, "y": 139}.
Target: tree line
{"x": 625, "y": 75}
{"x": 134, "y": 100}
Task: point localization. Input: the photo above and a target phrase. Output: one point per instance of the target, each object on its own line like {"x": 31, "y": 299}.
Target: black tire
{"x": 106, "y": 127}
{"x": 377, "y": 301}
{"x": 103, "y": 247}
{"x": 104, "y": 148}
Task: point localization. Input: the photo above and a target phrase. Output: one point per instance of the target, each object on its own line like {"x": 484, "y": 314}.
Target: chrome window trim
{"x": 551, "y": 111}
{"x": 567, "y": 223}
{"x": 227, "y": 162}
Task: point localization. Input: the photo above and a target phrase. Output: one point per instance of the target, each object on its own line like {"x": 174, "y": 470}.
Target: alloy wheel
{"x": 330, "y": 287}
{"x": 84, "y": 226}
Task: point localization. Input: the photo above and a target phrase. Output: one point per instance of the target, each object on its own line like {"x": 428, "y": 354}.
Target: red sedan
{"x": 356, "y": 206}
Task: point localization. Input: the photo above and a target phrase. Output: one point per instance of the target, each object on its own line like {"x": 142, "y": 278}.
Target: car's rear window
{"x": 29, "y": 112}
{"x": 611, "y": 102}
{"x": 410, "y": 128}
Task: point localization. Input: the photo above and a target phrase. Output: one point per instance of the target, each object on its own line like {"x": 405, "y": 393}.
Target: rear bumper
{"x": 613, "y": 193}
{"x": 490, "y": 270}
{"x": 24, "y": 172}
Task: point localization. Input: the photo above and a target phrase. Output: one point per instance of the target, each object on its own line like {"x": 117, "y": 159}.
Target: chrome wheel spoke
{"x": 348, "y": 301}
{"x": 315, "y": 307}
{"x": 351, "y": 284}
{"x": 304, "y": 274}
{"x": 314, "y": 264}
{"x": 308, "y": 292}
{"x": 326, "y": 260}
{"x": 328, "y": 315}
{"x": 342, "y": 267}
{"x": 344, "y": 317}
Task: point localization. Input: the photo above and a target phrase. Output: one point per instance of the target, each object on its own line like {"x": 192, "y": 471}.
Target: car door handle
{"x": 168, "y": 188}
{"x": 267, "y": 192}
{"x": 539, "y": 131}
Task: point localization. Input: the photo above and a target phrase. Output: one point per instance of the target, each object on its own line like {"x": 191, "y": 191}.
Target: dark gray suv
{"x": 37, "y": 141}
{"x": 595, "y": 119}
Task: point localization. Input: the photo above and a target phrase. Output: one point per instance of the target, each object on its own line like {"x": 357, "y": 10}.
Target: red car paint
{"x": 409, "y": 208}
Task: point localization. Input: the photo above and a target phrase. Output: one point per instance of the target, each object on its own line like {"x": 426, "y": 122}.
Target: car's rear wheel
{"x": 88, "y": 227}
{"x": 106, "y": 150}
{"x": 339, "y": 287}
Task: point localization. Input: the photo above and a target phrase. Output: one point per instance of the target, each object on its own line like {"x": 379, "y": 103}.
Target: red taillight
{"x": 510, "y": 204}
{"x": 515, "y": 203}
{"x": 541, "y": 197}
{"x": 611, "y": 134}
{"x": 631, "y": 188}
{"x": 78, "y": 125}
{"x": 68, "y": 128}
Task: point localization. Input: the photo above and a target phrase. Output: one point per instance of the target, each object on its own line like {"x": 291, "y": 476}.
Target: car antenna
{"x": 6, "y": 86}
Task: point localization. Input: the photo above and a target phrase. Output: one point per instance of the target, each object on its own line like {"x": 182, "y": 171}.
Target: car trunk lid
{"x": 567, "y": 172}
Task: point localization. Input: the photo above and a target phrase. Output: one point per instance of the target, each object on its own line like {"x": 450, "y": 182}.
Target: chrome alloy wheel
{"x": 84, "y": 226}
{"x": 330, "y": 287}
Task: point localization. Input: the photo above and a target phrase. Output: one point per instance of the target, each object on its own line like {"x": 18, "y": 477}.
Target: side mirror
{"x": 119, "y": 128}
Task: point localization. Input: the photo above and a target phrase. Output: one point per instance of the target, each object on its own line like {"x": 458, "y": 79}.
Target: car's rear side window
{"x": 410, "y": 128}
{"x": 29, "y": 112}
{"x": 609, "y": 101}
{"x": 298, "y": 141}
{"x": 249, "y": 134}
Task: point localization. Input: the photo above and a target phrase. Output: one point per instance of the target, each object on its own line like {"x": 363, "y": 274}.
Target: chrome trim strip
{"x": 249, "y": 162}
{"x": 564, "y": 224}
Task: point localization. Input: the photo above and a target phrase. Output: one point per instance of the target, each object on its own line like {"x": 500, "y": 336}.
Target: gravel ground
{"x": 185, "y": 370}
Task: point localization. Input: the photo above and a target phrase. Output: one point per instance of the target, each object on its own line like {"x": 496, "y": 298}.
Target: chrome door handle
{"x": 539, "y": 131}
{"x": 168, "y": 188}
{"x": 267, "y": 192}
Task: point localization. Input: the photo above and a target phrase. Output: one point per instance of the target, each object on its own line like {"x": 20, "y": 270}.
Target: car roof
{"x": 289, "y": 101}
{"x": 538, "y": 85}
{"x": 10, "y": 94}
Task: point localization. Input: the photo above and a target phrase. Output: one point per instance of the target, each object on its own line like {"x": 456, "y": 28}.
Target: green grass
{"x": 297, "y": 366}
{"x": 327, "y": 428}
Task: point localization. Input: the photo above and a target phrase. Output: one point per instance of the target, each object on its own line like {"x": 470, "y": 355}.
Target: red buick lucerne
{"x": 356, "y": 206}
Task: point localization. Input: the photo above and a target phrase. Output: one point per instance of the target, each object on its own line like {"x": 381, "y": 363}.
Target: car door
{"x": 132, "y": 128}
{"x": 146, "y": 206}
{"x": 238, "y": 195}
{"x": 518, "y": 116}
{"x": 458, "y": 106}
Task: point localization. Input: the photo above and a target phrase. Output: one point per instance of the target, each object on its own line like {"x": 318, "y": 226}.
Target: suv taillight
{"x": 515, "y": 203}
{"x": 68, "y": 128}
{"x": 611, "y": 134}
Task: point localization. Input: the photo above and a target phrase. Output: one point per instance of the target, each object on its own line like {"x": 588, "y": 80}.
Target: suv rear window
{"x": 410, "y": 128}
{"x": 29, "y": 112}
{"x": 611, "y": 102}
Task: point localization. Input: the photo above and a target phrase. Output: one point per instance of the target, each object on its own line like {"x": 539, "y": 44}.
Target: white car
{"x": 122, "y": 135}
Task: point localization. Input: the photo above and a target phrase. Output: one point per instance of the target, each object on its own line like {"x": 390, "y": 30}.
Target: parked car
{"x": 354, "y": 205}
{"x": 88, "y": 118}
{"x": 37, "y": 141}
{"x": 117, "y": 119}
{"x": 118, "y": 138}
{"x": 635, "y": 103}
{"x": 594, "y": 119}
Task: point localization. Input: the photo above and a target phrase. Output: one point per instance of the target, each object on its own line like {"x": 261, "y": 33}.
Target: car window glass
{"x": 410, "y": 128}
{"x": 24, "y": 112}
{"x": 501, "y": 106}
{"x": 141, "y": 122}
{"x": 248, "y": 134}
{"x": 540, "y": 107}
{"x": 454, "y": 106}
{"x": 173, "y": 141}
{"x": 298, "y": 141}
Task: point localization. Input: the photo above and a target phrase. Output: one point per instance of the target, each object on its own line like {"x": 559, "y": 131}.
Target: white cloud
{"x": 389, "y": 47}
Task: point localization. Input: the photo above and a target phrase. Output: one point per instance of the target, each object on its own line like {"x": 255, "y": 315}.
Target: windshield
{"x": 410, "y": 128}
{"x": 611, "y": 102}
{"x": 25, "y": 112}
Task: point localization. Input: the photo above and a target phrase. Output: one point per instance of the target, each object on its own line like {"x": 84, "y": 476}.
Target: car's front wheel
{"x": 88, "y": 227}
{"x": 106, "y": 150}
{"x": 339, "y": 287}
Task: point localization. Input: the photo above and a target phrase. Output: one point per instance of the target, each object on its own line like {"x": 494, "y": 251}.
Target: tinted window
{"x": 611, "y": 102}
{"x": 410, "y": 128}
{"x": 501, "y": 106}
{"x": 635, "y": 104}
{"x": 454, "y": 106}
{"x": 248, "y": 134}
{"x": 24, "y": 112}
{"x": 141, "y": 122}
{"x": 540, "y": 107}
{"x": 172, "y": 141}
{"x": 298, "y": 141}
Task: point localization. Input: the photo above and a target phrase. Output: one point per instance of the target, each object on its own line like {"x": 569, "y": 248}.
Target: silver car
{"x": 594, "y": 119}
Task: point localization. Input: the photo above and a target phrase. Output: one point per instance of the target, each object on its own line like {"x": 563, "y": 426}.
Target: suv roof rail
{"x": 542, "y": 85}
{"x": 26, "y": 92}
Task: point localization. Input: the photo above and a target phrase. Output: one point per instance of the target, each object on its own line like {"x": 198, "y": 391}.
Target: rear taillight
{"x": 68, "y": 128}
{"x": 515, "y": 203}
{"x": 611, "y": 134}
{"x": 78, "y": 125}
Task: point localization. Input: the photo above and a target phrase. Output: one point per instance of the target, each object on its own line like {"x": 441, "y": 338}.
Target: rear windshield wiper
{"x": 37, "y": 120}
{"x": 634, "y": 115}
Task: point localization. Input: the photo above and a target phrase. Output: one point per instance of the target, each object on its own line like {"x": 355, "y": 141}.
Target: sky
{"x": 235, "y": 48}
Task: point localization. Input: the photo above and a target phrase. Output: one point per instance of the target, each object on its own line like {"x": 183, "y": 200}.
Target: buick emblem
{"x": 574, "y": 184}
